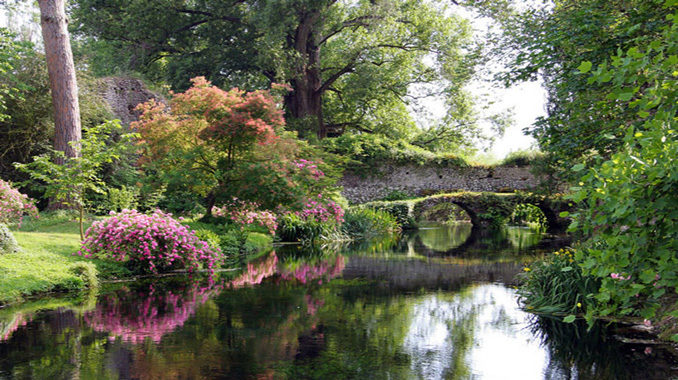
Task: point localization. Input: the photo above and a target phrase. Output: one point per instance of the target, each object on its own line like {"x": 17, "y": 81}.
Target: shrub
{"x": 148, "y": 243}
{"x": 371, "y": 150}
{"x": 245, "y": 214}
{"x": 400, "y": 210}
{"x": 13, "y": 204}
{"x": 365, "y": 223}
{"x": 522, "y": 158}
{"x": 322, "y": 210}
{"x": 396, "y": 195}
{"x": 114, "y": 199}
{"x": 293, "y": 227}
{"x": 557, "y": 285}
{"x": 531, "y": 215}
{"x": 7, "y": 242}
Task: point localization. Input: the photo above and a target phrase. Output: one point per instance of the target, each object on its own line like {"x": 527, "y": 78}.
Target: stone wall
{"x": 123, "y": 94}
{"x": 426, "y": 180}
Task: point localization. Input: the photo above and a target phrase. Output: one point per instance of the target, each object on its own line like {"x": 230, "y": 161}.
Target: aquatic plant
{"x": 556, "y": 285}
{"x": 148, "y": 243}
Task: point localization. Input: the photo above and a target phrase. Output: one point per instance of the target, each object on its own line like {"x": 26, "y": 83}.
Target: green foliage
{"x": 292, "y": 227}
{"x": 560, "y": 44}
{"x": 87, "y": 272}
{"x": 114, "y": 199}
{"x": 628, "y": 201}
{"x": 68, "y": 182}
{"x": 8, "y": 243}
{"x": 444, "y": 213}
{"x": 498, "y": 209}
{"x": 28, "y": 129}
{"x": 366, "y": 151}
{"x": 531, "y": 215}
{"x": 236, "y": 245}
{"x": 10, "y": 52}
{"x": 522, "y": 158}
{"x": 361, "y": 58}
{"x": 557, "y": 285}
{"x": 396, "y": 195}
{"x": 365, "y": 223}
{"x": 401, "y": 210}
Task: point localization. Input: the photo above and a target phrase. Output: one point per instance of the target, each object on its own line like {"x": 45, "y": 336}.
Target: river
{"x": 438, "y": 303}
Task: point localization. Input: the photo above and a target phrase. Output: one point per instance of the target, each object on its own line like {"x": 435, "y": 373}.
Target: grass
{"x": 45, "y": 263}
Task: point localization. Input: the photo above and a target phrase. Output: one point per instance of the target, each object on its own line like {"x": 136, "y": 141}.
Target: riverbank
{"x": 46, "y": 262}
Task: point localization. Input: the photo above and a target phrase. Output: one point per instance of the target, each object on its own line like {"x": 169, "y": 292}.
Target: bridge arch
{"x": 480, "y": 207}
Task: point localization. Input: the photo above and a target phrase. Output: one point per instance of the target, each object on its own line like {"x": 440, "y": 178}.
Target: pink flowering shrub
{"x": 14, "y": 205}
{"x": 310, "y": 167}
{"x": 321, "y": 210}
{"x": 148, "y": 243}
{"x": 246, "y": 214}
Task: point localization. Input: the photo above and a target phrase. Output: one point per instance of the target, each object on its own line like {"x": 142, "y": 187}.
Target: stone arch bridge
{"x": 483, "y": 208}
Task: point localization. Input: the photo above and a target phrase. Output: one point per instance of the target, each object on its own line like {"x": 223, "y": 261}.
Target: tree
{"x": 62, "y": 78}
{"x": 352, "y": 65}
{"x": 222, "y": 144}
{"x": 551, "y": 43}
{"x": 66, "y": 179}
{"x": 628, "y": 201}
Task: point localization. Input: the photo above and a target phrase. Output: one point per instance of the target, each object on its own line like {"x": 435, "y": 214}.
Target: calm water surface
{"x": 437, "y": 304}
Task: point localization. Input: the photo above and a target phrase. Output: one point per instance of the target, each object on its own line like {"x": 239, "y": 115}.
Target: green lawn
{"x": 44, "y": 264}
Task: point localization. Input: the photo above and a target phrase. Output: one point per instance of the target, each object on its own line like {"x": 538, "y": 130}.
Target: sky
{"x": 527, "y": 100}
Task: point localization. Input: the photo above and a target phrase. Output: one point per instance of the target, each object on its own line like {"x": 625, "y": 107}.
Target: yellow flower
{"x": 638, "y": 134}
{"x": 578, "y": 304}
{"x": 527, "y": 269}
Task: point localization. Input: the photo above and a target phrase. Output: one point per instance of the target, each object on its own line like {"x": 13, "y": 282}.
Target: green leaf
{"x": 578, "y": 167}
{"x": 566, "y": 269}
{"x": 585, "y": 67}
{"x": 564, "y": 214}
{"x": 625, "y": 96}
{"x": 569, "y": 319}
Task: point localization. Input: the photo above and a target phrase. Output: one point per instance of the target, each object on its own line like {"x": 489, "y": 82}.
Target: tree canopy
{"x": 551, "y": 42}
{"x": 351, "y": 65}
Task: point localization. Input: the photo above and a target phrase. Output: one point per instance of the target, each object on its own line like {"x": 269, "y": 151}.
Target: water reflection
{"x": 148, "y": 313}
{"x": 381, "y": 311}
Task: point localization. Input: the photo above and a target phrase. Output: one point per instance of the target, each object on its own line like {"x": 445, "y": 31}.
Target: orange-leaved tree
{"x": 219, "y": 144}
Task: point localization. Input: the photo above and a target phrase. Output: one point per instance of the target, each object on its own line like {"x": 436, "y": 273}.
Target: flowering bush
{"x": 148, "y": 243}
{"x": 13, "y": 204}
{"x": 321, "y": 210}
{"x": 247, "y": 213}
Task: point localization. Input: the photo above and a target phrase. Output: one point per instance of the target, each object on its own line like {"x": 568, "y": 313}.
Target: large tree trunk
{"x": 305, "y": 100}
{"x": 61, "y": 75}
